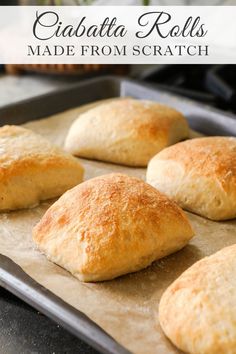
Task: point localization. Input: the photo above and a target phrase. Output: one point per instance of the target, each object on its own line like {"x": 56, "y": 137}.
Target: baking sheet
{"x": 126, "y": 308}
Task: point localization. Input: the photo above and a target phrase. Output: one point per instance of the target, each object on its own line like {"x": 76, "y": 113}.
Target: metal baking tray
{"x": 202, "y": 118}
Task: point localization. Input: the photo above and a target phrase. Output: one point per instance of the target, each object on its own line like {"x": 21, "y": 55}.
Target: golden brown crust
{"x": 126, "y": 131}
{"x": 109, "y": 226}
{"x": 31, "y": 169}
{"x": 199, "y": 174}
{"x": 197, "y": 312}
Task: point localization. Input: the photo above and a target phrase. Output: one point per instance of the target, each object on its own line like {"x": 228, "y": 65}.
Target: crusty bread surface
{"x": 31, "y": 169}
{"x": 198, "y": 174}
{"x": 197, "y": 311}
{"x": 126, "y": 131}
{"x": 109, "y": 226}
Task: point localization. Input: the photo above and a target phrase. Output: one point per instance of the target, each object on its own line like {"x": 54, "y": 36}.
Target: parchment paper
{"x": 126, "y": 308}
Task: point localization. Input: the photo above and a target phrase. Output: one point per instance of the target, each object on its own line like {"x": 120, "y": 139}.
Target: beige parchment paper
{"x": 126, "y": 308}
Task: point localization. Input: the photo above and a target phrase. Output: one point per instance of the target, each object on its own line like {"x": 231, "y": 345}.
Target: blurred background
{"x": 211, "y": 84}
{"x": 24, "y": 330}
{"x": 118, "y": 2}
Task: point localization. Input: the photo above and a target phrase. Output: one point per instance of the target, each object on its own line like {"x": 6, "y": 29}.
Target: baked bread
{"x": 31, "y": 169}
{"x": 109, "y": 226}
{"x": 198, "y": 174}
{"x": 125, "y": 131}
{"x": 197, "y": 312}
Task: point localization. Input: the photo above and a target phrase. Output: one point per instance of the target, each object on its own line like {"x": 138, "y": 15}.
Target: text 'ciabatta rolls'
{"x": 197, "y": 311}
{"x": 199, "y": 174}
{"x": 125, "y": 131}
{"x": 109, "y": 226}
{"x": 31, "y": 169}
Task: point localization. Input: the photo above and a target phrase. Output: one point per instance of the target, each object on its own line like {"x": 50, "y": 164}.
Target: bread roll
{"x": 197, "y": 312}
{"x": 31, "y": 169}
{"x": 125, "y": 131}
{"x": 198, "y": 174}
{"x": 109, "y": 226}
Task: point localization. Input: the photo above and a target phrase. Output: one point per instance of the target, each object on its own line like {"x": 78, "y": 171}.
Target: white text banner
{"x": 117, "y": 35}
